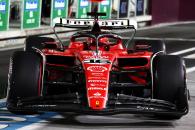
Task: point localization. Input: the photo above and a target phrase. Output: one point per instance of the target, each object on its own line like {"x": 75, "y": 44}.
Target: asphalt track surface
{"x": 179, "y": 39}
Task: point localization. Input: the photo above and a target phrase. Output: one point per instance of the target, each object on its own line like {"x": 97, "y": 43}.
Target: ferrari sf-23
{"x": 97, "y": 72}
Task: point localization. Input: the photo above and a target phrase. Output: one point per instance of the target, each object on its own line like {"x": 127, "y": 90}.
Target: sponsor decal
{"x": 43, "y": 106}
{"x": 96, "y": 84}
{"x": 92, "y": 84}
{"x": 100, "y": 78}
{"x": 93, "y": 57}
{"x": 96, "y": 88}
{"x": 97, "y": 68}
{"x": 97, "y": 74}
{"x": 96, "y": 56}
{"x": 97, "y": 94}
{"x": 97, "y": 97}
{"x": 97, "y": 81}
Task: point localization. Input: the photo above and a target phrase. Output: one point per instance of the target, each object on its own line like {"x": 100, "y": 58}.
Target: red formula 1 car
{"x": 97, "y": 73}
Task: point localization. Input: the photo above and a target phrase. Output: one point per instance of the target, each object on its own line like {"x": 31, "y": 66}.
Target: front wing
{"x": 115, "y": 105}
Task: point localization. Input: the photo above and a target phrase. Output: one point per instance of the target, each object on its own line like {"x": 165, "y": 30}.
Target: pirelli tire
{"x": 155, "y": 46}
{"x": 24, "y": 79}
{"x": 169, "y": 83}
{"x": 37, "y": 42}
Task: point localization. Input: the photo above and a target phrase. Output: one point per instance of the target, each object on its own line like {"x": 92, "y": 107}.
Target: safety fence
{"x": 30, "y": 14}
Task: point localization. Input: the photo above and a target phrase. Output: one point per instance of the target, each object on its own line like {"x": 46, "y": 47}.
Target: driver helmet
{"x": 103, "y": 40}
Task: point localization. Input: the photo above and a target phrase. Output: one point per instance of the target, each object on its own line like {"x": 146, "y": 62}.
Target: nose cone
{"x": 97, "y": 81}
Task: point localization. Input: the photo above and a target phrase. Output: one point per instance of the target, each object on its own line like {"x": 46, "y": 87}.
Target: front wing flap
{"x": 115, "y": 105}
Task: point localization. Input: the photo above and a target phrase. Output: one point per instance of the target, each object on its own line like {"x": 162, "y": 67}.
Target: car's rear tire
{"x": 155, "y": 45}
{"x": 37, "y": 42}
{"x": 24, "y": 80}
{"x": 170, "y": 82}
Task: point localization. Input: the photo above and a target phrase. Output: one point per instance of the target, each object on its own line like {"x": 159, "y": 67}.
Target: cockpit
{"x": 104, "y": 41}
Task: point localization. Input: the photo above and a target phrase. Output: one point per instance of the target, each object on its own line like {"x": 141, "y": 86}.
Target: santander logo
{"x": 97, "y": 68}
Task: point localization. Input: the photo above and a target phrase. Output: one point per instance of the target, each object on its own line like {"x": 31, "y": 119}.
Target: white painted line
{"x": 167, "y": 39}
{"x": 183, "y": 51}
{"x": 163, "y": 38}
{"x": 192, "y": 56}
{"x": 13, "y": 118}
{"x": 189, "y": 70}
{"x": 2, "y": 126}
{"x": 166, "y": 24}
{"x": 33, "y": 126}
{"x": 178, "y": 39}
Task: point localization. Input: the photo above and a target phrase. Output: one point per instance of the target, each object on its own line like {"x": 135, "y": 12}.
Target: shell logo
{"x": 97, "y": 68}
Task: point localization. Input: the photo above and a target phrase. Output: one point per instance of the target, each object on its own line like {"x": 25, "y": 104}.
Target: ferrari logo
{"x": 97, "y": 103}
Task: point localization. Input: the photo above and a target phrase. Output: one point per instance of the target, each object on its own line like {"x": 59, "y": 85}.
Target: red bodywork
{"x": 97, "y": 75}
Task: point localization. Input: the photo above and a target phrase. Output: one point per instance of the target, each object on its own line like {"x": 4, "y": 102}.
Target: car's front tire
{"x": 24, "y": 79}
{"x": 170, "y": 82}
